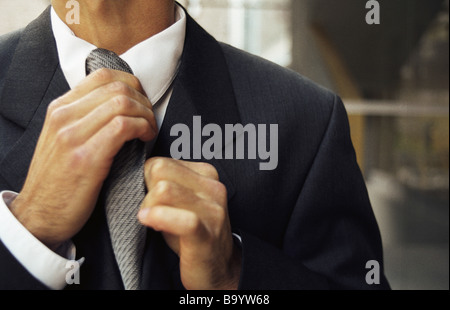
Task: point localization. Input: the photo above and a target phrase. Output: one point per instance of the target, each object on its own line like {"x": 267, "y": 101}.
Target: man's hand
{"x": 82, "y": 133}
{"x": 188, "y": 204}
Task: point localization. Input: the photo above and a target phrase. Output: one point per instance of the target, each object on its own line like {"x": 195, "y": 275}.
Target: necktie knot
{"x": 102, "y": 58}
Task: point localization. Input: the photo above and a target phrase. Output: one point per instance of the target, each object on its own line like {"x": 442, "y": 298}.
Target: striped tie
{"x": 125, "y": 190}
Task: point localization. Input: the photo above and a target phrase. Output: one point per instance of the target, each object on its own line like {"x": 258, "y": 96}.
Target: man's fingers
{"x": 89, "y": 102}
{"x": 178, "y": 222}
{"x": 163, "y": 169}
{"x": 167, "y": 193}
{"x": 203, "y": 169}
{"x": 100, "y": 78}
{"x": 83, "y": 129}
{"x": 108, "y": 141}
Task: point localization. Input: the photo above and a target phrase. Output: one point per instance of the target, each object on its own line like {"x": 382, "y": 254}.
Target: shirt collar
{"x": 154, "y": 61}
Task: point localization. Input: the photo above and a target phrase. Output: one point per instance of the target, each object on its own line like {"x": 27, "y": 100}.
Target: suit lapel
{"x": 202, "y": 88}
{"x": 34, "y": 79}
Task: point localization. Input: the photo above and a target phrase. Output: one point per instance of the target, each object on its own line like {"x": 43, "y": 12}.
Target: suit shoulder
{"x": 10, "y": 40}
{"x": 8, "y": 44}
{"x": 263, "y": 82}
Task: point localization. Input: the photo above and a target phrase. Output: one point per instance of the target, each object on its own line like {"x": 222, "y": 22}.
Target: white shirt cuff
{"x": 44, "y": 264}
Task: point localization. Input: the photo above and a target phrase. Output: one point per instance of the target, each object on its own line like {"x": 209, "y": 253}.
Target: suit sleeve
{"x": 332, "y": 232}
{"x": 13, "y": 276}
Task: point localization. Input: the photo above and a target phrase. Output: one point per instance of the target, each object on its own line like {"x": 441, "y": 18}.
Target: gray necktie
{"x": 125, "y": 190}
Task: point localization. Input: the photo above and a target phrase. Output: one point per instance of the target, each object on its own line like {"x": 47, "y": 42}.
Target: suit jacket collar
{"x": 33, "y": 80}
{"x": 34, "y": 64}
{"x": 203, "y": 88}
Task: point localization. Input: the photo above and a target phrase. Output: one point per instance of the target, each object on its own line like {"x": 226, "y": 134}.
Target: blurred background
{"x": 394, "y": 80}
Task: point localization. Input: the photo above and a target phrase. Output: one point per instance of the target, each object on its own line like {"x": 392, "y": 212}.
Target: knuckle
{"x": 217, "y": 216}
{"x": 56, "y": 115}
{"x": 193, "y": 224}
{"x": 122, "y": 103}
{"x": 219, "y": 213}
{"x": 218, "y": 189}
{"x": 64, "y": 136}
{"x": 80, "y": 158}
{"x": 210, "y": 171}
{"x": 164, "y": 190}
{"x": 56, "y": 111}
{"x": 146, "y": 128}
{"x": 215, "y": 212}
{"x": 120, "y": 87}
{"x": 102, "y": 75}
{"x": 147, "y": 131}
{"x": 135, "y": 83}
{"x": 54, "y": 105}
{"x": 157, "y": 166}
{"x": 120, "y": 125}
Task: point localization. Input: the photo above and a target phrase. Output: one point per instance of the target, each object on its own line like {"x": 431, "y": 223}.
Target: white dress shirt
{"x": 155, "y": 63}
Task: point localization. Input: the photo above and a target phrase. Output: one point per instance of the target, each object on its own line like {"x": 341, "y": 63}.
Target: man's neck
{"x": 120, "y": 24}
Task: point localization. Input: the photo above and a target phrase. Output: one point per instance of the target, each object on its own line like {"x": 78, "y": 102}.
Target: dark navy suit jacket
{"x": 306, "y": 225}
